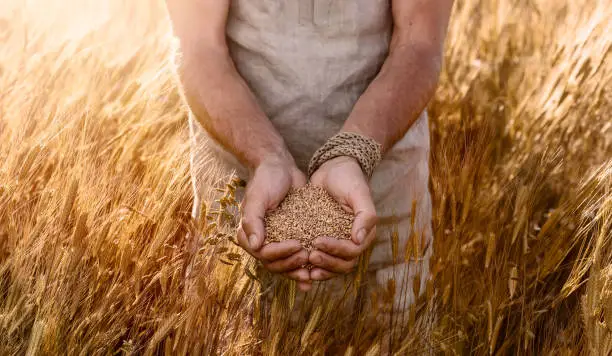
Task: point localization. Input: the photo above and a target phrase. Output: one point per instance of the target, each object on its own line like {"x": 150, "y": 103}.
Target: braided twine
{"x": 365, "y": 150}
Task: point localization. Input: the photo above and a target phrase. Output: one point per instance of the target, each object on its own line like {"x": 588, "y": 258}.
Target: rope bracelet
{"x": 365, "y": 150}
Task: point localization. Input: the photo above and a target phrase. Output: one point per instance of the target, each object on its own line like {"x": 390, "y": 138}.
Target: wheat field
{"x": 95, "y": 195}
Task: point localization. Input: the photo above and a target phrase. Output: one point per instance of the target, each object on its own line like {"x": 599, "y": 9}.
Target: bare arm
{"x": 408, "y": 78}
{"x": 385, "y": 112}
{"x": 215, "y": 91}
{"x": 228, "y": 110}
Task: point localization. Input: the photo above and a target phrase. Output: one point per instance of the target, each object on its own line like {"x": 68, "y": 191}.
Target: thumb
{"x": 253, "y": 214}
{"x": 360, "y": 200}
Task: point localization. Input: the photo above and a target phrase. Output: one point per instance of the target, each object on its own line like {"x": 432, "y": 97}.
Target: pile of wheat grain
{"x": 305, "y": 214}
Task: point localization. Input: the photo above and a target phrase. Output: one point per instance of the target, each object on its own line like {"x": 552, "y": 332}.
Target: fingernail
{"x": 253, "y": 241}
{"x": 361, "y": 234}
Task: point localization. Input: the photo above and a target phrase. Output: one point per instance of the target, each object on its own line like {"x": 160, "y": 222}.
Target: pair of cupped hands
{"x": 270, "y": 182}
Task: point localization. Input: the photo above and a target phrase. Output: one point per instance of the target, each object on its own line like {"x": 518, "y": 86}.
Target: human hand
{"x": 344, "y": 180}
{"x": 269, "y": 185}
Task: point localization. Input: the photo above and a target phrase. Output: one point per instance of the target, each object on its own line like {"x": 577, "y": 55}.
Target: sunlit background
{"x": 95, "y": 194}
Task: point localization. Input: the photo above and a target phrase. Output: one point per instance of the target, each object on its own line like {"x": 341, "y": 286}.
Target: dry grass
{"x": 95, "y": 195}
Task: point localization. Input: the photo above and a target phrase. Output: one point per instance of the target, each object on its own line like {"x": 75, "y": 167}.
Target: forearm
{"x": 398, "y": 95}
{"x": 227, "y": 109}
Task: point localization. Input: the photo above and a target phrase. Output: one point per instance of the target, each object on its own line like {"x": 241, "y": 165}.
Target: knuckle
{"x": 335, "y": 249}
{"x": 315, "y": 257}
{"x": 300, "y": 260}
{"x": 274, "y": 267}
{"x": 345, "y": 268}
{"x": 325, "y": 260}
{"x": 294, "y": 261}
{"x": 322, "y": 244}
{"x": 348, "y": 252}
{"x": 353, "y": 251}
{"x": 267, "y": 253}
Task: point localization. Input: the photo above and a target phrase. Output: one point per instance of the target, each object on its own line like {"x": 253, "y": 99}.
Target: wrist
{"x": 281, "y": 158}
{"x": 283, "y": 165}
{"x": 340, "y": 160}
{"x": 374, "y": 133}
{"x": 348, "y": 145}
{"x": 328, "y": 166}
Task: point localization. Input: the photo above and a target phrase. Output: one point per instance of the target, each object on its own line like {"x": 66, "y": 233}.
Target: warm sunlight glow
{"x": 65, "y": 19}
{"x": 100, "y": 253}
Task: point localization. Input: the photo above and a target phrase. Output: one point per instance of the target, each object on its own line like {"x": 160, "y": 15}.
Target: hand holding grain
{"x": 305, "y": 214}
{"x": 269, "y": 185}
{"x": 344, "y": 180}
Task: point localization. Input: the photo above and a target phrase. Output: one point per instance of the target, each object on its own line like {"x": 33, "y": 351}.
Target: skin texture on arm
{"x": 227, "y": 109}
{"x": 385, "y": 112}
{"x": 409, "y": 76}
{"x": 217, "y": 95}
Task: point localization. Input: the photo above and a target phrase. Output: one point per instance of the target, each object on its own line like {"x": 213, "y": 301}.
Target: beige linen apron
{"x": 308, "y": 62}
